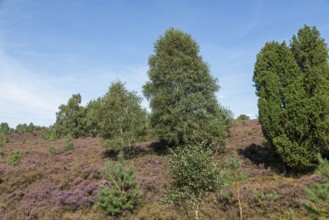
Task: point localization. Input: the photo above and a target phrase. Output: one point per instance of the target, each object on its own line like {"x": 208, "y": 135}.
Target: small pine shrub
{"x": 234, "y": 177}
{"x": 52, "y": 150}
{"x": 68, "y": 143}
{"x": 2, "y": 152}
{"x": 122, "y": 192}
{"x": 49, "y": 135}
{"x": 3, "y": 140}
{"x": 317, "y": 195}
{"x": 14, "y": 157}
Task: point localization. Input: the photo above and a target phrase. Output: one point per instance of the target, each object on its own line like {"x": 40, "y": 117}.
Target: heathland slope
{"x": 64, "y": 185}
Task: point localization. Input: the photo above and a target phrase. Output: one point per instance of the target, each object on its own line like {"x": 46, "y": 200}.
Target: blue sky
{"x": 50, "y": 50}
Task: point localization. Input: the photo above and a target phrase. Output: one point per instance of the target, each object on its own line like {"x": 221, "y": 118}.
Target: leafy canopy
{"x": 182, "y": 93}
{"x": 70, "y": 119}
{"x": 121, "y": 118}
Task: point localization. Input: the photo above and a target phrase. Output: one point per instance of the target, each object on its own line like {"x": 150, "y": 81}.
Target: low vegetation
{"x": 14, "y": 157}
{"x": 193, "y": 174}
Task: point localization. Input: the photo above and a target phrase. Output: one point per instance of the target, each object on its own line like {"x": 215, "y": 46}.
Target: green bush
{"x": 122, "y": 192}
{"x": 14, "y": 157}
{"x": 292, "y": 85}
{"x": 193, "y": 174}
{"x": 317, "y": 195}
{"x": 243, "y": 117}
{"x": 52, "y": 150}
{"x": 68, "y": 143}
{"x": 233, "y": 177}
{"x": 2, "y": 152}
{"x": 49, "y": 134}
{"x": 4, "y": 128}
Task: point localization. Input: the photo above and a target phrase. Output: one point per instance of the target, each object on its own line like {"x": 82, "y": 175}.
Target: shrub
{"x": 193, "y": 174}
{"x": 52, "y": 150}
{"x": 317, "y": 195}
{"x": 2, "y": 152}
{"x": 14, "y": 157}
{"x": 4, "y": 128}
{"x": 243, "y": 117}
{"x": 233, "y": 177}
{"x": 122, "y": 192}
{"x": 292, "y": 85}
{"x": 49, "y": 134}
{"x": 68, "y": 143}
{"x": 3, "y": 139}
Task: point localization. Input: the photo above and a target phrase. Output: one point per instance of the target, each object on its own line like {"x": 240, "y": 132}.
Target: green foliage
{"x": 3, "y": 141}
{"x": 122, "y": 120}
{"x": 2, "y": 152}
{"x": 49, "y": 134}
{"x": 233, "y": 177}
{"x": 193, "y": 174}
{"x": 68, "y": 143}
{"x": 52, "y": 150}
{"x": 70, "y": 119}
{"x": 91, "y": 118}
{"x": 4, "y": 128}
{"x": 122, "y": 192}
{"x": 14, "y": 157}
{"x": 182, "y": 93}
{"x": 293, "y": 88}
{"x": 243, "y": 117}
{"x": 258, "y": 194}
{"x": 22, "y": 128}
{"x": 317, "y": 195}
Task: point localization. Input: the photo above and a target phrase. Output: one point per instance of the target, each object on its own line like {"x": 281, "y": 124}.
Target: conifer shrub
{"x": 293, "y": 97}
{"x": 3, "y": 141}
{"x": 52, "y": 150}
{"x": 317, "y": 195}
{"x": 122, "y": 192}
{"x": 49, "y": 134}
{"x": 233, "y": 177}
{"x": 14, "y": 157}
{"x": 2, "y": 152}
{"x": 68, "y": 143}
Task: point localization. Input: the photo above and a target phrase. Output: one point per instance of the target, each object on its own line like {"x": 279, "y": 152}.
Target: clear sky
{"x": 51, "y": 49}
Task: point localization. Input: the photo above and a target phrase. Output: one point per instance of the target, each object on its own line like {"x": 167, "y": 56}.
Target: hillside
{"x": 65, "y": 185}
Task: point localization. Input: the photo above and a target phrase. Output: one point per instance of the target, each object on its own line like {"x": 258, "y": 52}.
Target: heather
{"x": 66, "y": 184}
